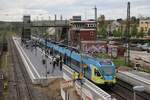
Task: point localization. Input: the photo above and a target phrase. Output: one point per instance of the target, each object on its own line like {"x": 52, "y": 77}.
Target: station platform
{"x": 136, "y": 78}
{"x": 32, "y": 59}
{"x": 141, "y": 74}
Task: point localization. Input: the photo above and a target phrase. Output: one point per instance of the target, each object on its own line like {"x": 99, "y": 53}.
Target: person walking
{"x": 57, "y": 60}
{"x": 60, "y": 63}
{"x": 54, "y": 63}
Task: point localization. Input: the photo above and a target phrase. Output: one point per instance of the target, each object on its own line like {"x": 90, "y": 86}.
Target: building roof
{"x": 83, "y": 21}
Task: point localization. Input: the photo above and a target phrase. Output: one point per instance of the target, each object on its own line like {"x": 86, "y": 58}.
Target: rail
{"x": 134, "y": 79}
{"x": 139, "y": 78}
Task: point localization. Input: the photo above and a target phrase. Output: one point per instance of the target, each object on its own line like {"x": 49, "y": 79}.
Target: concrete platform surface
{"x": 35, "y": 56}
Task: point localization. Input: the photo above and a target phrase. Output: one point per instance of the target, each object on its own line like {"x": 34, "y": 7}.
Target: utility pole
{"x": 49, "y": 18}
{"x": 81, "y": 64}
{"x": 46, "y": 56}
{"x": 128, "y": 33}
{"x": 61, "y": 18}
{"x": 55, "y": 17}
{"x": 55, "y": 28}
{"x": 95, "y": 9}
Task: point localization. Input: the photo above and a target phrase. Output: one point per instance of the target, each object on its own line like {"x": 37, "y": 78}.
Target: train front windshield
{"x": 107, "y": 67}
{"x": 107, "y": 70}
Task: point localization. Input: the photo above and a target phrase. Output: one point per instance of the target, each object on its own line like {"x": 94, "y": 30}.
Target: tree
{"x": 102, "y": 26}
{"x": 103, "y": 32}
{"x": 133, "y": 19}
{"x": 134, "y": 30}
{"x": 148, "y": 33}
{"x": 116, "y": 33}
{"x": 141, "y": 33}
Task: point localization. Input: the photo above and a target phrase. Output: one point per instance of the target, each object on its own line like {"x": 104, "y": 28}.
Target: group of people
{"x": 57, "y": 61}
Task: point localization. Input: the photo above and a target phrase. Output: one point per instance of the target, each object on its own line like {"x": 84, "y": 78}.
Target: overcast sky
{"x": 12, "y": 10}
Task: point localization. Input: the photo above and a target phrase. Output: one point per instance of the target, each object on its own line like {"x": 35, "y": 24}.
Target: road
{"x": 142, "y": 54}
{"x": 141, "y": 57}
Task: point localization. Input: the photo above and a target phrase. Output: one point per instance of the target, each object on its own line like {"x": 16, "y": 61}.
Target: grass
{"x": 117, "y": 61}
{"x": 102, "y": 55}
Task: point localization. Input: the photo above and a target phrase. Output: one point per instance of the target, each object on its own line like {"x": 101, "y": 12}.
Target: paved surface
{"x": 36, "y": 56}
{"x": 142, "y": 74}
{"x": 142, "y": 54}
{"x": 142, "y": 58}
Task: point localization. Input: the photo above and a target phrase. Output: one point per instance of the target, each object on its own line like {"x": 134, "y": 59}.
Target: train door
{"x": 87, "y": 71}
{"x": 96, "y": 76}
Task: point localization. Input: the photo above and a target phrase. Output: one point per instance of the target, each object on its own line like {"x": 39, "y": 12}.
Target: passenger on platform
{"x": 51, "y": 60}
{"x": 51, "y": 52}
{"x": 57, "y": 60}
{"x": 60, "y": 63}
{"x": 47, "y": 51}
{"x": 35, "y": 47}
{"x": 54, "y": 63}
{"x": 31, "y": 46}
{"x": 65, "y": 61}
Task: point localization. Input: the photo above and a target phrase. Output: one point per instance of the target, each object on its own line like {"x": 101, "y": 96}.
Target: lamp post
{"x": 46, "y": 57}
{"x": 127, "y": 36}
{"x": 81, "y": 64}
{"x": 137, "y": 88}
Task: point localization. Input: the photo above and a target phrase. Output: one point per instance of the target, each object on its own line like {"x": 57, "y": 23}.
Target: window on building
{"x": 91, "y": 33}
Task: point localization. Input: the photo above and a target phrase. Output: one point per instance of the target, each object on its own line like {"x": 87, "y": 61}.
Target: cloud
{"x": 112, "y": 9}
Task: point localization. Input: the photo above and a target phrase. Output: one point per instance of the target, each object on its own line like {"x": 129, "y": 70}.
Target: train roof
{"x": 76, "y": 55}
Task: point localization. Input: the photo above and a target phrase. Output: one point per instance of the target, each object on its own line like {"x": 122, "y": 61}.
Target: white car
{"x": 148, "y": 50}
{"x": 145, "y": 46}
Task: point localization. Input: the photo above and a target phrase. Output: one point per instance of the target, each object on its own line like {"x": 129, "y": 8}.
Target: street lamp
{"x": 137, "y": 88}
{"x": 81, "y": 64}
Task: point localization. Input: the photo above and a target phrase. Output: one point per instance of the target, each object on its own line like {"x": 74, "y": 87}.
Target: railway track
{"x": 21, "y": 80}
{"x": 124, "y": 91}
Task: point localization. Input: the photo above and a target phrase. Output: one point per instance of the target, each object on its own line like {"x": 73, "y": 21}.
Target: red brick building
{"x": 82, "y": 31}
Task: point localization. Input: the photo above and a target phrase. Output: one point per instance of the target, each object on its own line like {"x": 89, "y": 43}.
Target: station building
{"x": 81, "y": 30}
{"x": 144, "y": 24}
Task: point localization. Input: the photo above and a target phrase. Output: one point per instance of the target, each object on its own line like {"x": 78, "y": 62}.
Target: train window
{"x": 86, "y": 69}
{"x": 68, "y": 60}
{"x": 76, "y": 63}
{"x": 96, "y": 72}
{"x": 105, "y": 62}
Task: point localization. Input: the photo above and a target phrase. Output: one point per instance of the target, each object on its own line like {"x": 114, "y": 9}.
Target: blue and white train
{"x": 99, "y": 71}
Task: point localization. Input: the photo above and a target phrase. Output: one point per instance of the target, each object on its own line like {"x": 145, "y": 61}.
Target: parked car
{"x": 139, "y": 46}
{"x": 148, "y": 50}
{"x": 145, "y": 46}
